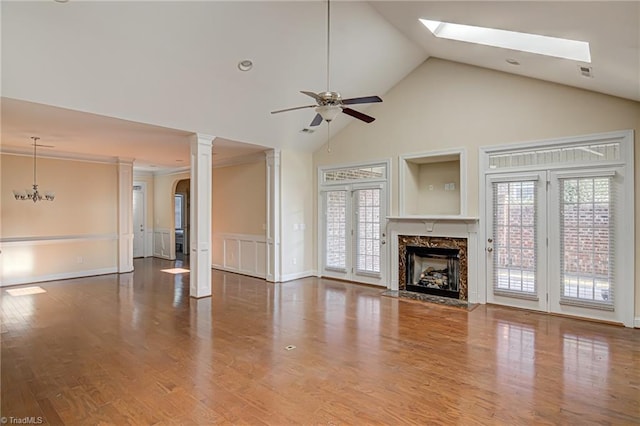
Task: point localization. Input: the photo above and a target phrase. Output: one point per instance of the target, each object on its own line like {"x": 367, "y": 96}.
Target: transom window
{"x": 375, "y": 172}
{"x": 571, "y": 154}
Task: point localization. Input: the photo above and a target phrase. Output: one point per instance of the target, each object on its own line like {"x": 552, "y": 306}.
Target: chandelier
{"x": 34, "y": 194}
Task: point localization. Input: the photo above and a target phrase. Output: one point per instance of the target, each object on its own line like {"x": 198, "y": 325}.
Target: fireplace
{"x": 433, "y": 265}
{"x": 433, "y": 270}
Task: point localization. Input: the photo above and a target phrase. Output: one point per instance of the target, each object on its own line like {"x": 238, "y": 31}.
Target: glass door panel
{"x": 336, "y": 236}
{"x": 515, "y": 232}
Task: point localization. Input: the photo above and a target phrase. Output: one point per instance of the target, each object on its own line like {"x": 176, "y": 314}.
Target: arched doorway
{"x": 181, "y": 202}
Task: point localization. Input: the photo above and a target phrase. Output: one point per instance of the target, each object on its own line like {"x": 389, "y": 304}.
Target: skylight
{"x": 524, "y": 42}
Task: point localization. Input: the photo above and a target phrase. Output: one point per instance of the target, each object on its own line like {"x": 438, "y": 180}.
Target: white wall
{"x": 297, "y": 214}
{"x": 239, "y": 198}
{"x": 443, "y": 105}
{"x": 75, "y": 235}
{"x": 239, "y": 215}
{"x": 432, "y": 197}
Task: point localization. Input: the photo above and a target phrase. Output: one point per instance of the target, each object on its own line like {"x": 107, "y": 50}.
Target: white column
{"x": 274, "y": 267}
{"x": 200, "y": 257}
{"x": 125, "y": 215}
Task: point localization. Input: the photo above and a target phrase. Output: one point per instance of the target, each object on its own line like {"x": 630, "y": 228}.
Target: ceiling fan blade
{"x": 357, "y": 114}
{"x": 293, "y": 109}
{"x": 316, "y": 120}
{"x": 313, "y": 95}
{"x": 362, "y": 100}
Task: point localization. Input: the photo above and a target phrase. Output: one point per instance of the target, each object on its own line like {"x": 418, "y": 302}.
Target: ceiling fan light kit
{"x": 328, "y": 112}
{"x": 329, "y": 104}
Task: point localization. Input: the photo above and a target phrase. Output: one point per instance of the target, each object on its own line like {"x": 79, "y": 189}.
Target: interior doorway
{"x": 139, "y": 223}
{"x": 181, "y": 202}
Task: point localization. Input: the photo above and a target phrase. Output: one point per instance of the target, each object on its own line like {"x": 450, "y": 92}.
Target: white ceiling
{"x": 611, "y": 28}
{"x": 75, "y": 134}
{"x": 170, "y": 68}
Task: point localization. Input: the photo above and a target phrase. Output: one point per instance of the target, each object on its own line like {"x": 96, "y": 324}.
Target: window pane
{"x": 514, "y": 235}
{"x": 586, "y": 260}
{"x": 336, "y": 238}
{"x": 368, "y": 216}
{"x": 178, "y": 211}
{"x": 355, "y": 173}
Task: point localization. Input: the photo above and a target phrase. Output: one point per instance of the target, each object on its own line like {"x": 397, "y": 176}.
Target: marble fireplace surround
{"x": 438, "y": 231}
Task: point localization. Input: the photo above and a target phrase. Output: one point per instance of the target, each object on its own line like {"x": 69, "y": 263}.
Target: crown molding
{"x": 173, "y": 171}
{"x": 57, "y": 155}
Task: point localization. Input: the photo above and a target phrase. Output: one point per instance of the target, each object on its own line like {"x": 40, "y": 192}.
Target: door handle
{"x": 489, "y": 249}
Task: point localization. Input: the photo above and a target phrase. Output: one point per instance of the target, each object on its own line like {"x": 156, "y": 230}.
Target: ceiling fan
{"x": 329, "y": 104}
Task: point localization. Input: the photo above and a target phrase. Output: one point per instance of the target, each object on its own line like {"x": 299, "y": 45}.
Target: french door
{"x": 354, "y": 234}
{"x": 516, "y": 236}
{"x": 551, "y": 242}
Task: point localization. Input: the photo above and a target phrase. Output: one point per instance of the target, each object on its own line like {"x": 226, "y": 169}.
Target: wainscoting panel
{"x": 37, "y": 259}
{"x": 231, "y": 254}
{"x": 162, "y": 243}
{"x": 148, "y": 243}
{"x": 247, "y": 256}
{"x": 244, "y": 254}
{"x": 261, "y": 259}
{"x": 217, "y": 251}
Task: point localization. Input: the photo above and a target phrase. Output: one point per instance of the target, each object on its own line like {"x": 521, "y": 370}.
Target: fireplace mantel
{"x": 454, "y": 218}
{"x": 429, "y": 223}
{"x": 452, "y": 226}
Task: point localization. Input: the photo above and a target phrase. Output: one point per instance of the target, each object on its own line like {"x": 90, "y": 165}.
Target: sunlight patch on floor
{"x": 25, "y": 291}
{"x": 175, "y": 270}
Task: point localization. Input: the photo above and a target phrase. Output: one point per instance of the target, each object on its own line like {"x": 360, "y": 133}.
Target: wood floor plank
{"x": 135, "y": 349}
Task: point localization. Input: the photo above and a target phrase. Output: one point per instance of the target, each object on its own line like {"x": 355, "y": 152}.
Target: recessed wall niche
{"x": 433, "y": 183}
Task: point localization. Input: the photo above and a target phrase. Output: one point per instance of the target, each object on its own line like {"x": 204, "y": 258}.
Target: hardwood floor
{"x": 135, "y": 349}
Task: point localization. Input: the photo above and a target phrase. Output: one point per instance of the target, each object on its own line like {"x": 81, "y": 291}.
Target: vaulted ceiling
{"x": 134, "y": 79}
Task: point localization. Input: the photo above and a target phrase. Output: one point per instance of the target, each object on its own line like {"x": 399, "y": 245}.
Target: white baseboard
{"x": 159, "y": 256}
{"x": 56, "y": 277}
{"x": 636, "y": 322}
{"x": 237, "y": 271}
{"x": 298, "y": 275}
